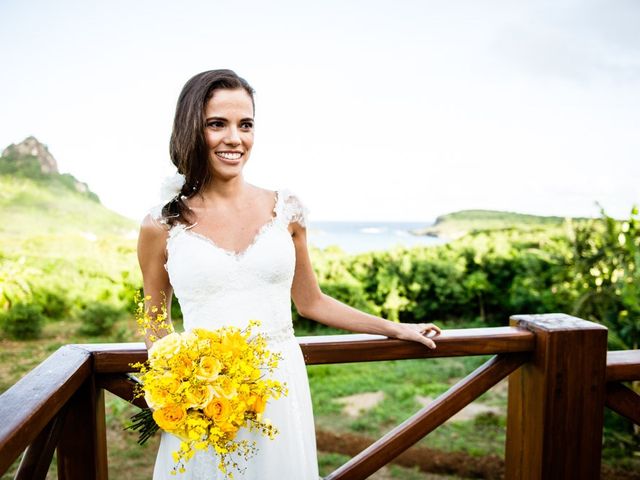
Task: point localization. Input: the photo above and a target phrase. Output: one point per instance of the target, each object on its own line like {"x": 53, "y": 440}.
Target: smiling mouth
{"x": 229, "y": 156}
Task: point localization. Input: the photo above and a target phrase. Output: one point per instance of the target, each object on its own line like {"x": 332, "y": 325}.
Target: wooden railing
{"x": 561, "y": 377}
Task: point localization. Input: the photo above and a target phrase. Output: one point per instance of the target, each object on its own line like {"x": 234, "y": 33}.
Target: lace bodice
{"x": 217, "y": 287}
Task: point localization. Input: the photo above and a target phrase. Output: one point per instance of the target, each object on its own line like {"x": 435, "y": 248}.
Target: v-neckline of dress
{"x": 238, "y": 255}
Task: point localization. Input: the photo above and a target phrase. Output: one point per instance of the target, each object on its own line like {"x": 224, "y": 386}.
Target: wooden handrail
{"x": 623, "y": 365}
{"x": 122, "y": 385}
{"x": 116, "y": 357}
{"x": 452, "y": 343}
{"x": 29, "y": 405}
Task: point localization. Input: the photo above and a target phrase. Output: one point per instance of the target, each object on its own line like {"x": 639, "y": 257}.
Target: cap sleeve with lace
{"x": 292, "y": 209}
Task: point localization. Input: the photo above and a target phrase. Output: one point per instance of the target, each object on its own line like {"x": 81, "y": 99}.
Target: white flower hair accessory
{"x": 171, "y": 187}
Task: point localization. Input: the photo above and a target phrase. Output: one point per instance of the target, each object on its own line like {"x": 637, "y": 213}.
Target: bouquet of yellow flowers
{"x": 204, "y": 386}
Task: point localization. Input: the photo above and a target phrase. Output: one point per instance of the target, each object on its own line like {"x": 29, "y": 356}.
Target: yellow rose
{"x": 182, "y": 365}
{"x": 208, "y": 368}
{"x": 155, "y": 396}
{"x": 190, "y": 336}
{"x": 165, "y": 347}
{"x": 158, "y": 392}
{"x": 258, "y": 403}
{"x": 230, "y": 431}
{"x": 169, "y": 382}
{"x": 225, "y": 387}
{"x": 170, "y": 417}
{"x": 198, "y": 396}
{"x": 217, "y": 409}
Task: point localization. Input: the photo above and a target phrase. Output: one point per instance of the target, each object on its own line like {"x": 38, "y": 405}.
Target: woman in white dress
{"x": 231, "y": 252}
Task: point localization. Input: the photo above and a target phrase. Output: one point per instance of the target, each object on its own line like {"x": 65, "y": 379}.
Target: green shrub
{"x": 54, "y": 303}
{"x": 23, "y": 322}
{"x": 98, "y": 319}
{"x": 606, "y": 276}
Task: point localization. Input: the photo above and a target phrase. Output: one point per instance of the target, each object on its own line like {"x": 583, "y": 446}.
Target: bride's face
{"x": 229, "y": 131}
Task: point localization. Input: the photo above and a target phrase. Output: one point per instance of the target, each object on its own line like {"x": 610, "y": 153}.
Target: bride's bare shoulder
{"x": 263, "y": 192}
{"x": 152, "y": 230}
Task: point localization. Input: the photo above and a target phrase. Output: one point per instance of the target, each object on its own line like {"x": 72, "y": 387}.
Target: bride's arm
{"x": 152, "y": 243}
{"x": 313, "y": 304}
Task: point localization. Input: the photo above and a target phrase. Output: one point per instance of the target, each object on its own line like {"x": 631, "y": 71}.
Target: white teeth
{"x": 229, "y": 155}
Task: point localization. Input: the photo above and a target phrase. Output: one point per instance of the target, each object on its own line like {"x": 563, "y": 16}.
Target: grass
{"x": 402, "y": 382}
{"x": 24, "y": 199}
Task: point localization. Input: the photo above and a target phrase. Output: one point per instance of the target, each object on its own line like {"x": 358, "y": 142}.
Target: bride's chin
{"x": 226, "y": 174}
{"x": 228, "y": 170}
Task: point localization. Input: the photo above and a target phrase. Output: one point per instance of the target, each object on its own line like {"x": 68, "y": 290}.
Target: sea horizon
{"x": 368, "y": 235}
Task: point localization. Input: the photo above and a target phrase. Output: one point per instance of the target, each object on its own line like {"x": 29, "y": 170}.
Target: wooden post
{"x": 82, "y": 451}
{"x": 556, "y": 402}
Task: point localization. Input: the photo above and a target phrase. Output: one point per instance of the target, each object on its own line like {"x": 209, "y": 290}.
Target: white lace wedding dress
{"x": 216, "y": 287}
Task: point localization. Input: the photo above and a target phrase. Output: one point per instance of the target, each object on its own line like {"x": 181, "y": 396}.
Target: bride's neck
{"x": 230, "y": 191}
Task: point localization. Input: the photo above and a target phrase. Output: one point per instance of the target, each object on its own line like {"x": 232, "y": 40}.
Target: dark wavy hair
{"x": 188, "y": 148}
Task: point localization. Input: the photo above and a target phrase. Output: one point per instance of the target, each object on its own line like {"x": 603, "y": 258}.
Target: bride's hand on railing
{"x": 418, "y": 332}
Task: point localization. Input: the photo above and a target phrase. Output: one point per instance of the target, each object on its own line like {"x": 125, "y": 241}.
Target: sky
{"x": 368, "y": 110}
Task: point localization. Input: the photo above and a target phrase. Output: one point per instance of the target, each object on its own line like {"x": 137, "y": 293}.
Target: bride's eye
{"x": 215, "y": 124}
{"x": 246, "y": 125}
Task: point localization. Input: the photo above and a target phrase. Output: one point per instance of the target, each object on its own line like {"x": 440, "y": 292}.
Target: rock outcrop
{"x": 30, "y": 146}
{"x": 32, "y": 159}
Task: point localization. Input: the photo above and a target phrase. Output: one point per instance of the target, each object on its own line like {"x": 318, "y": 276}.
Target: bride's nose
{"x": 233, "y": 137}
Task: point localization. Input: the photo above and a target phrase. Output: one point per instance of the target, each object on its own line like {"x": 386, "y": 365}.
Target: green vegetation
{"x": 458, "y": 224}
{"x": 607, "y": 276}
{"x": 98, "y": 319}
{"x": 23, "y": 321}
{"x": 587, "y": 268}
{"x": 61, "y": 250}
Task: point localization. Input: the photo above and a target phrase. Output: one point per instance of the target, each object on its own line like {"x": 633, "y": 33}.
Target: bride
{"x": 232, "y": 251}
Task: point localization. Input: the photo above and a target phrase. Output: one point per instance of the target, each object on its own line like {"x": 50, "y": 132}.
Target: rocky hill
{"x": 31, "y": 147}
{"x": 31, "y": 158}
{"x": 36, "y": 199}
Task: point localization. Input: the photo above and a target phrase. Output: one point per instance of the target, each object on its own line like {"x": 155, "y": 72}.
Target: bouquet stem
{"x": 144, "y": 422}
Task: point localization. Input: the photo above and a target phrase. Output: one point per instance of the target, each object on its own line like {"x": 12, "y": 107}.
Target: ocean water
{"x": 358, "y": 237}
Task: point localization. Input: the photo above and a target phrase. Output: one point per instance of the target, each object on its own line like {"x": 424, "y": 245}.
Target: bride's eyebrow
{"x": 247, "y": 119}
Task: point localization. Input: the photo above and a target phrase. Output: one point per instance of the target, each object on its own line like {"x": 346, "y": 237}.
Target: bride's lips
{"x": 230, "y": 158}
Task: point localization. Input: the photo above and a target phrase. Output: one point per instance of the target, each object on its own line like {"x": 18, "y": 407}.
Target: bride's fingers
{"x": 433, "y": 329}
{"x": 429, "y": 329}
{"x": 418, "y": 335}
{"x": 427, "y": 341}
